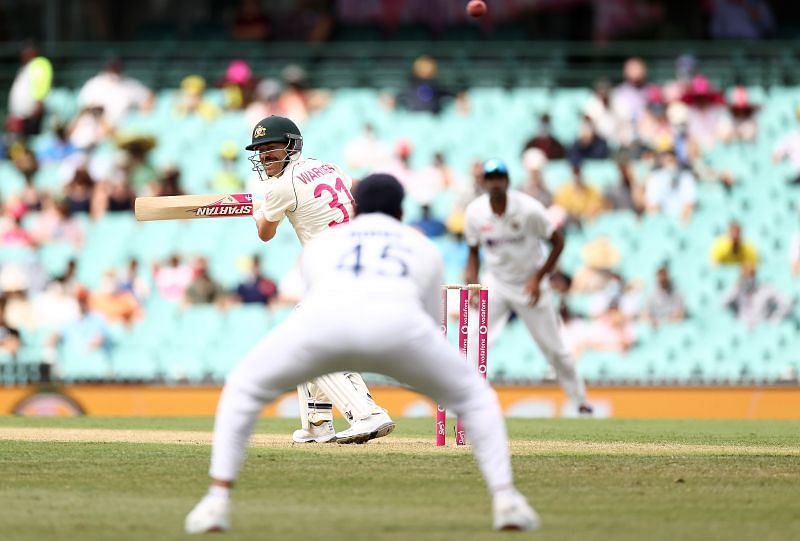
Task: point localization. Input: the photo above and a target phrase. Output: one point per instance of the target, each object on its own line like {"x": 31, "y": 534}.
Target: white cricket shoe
{"x": 512, "y": 512}
{"x": 211, "y": 514}
{"x": 376, "y": 425}
{"x": 323, "y": 433}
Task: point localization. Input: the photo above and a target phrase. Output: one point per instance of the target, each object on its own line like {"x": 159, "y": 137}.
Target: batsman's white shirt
{"x": 313, "y": 194}
{"x": 511, "y": 243}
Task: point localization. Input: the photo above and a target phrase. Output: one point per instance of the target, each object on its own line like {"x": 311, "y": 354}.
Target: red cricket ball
{"x": 476, "y": 8}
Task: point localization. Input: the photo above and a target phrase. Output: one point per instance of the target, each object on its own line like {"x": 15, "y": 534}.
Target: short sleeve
{"x": 539, "y": 223}
{"x": 279, "y": 198}
{"x": 471, "y": 227}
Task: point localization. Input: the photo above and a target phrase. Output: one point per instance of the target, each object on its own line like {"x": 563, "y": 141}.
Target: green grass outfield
{"x": 96, "y": 479}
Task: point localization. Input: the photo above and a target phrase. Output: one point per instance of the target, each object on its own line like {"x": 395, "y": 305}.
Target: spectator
{"x": 135, "y": 165}
{"x": 580, "y": 200}
{"x": 741, "y": 19}
{"x": 465, "y": 194}
{"x": 731, "y": 249}
{"x": 629, "y": 99}
{"x": 55, "y": 223}
{"x": 227, "y": 178}
{"x": 10, "y": 342}
{"x": 788, "y": 148}
{"x": 113, "y": 196}
{"x": 400, "y": 166}
{"x": 57, "y": 147}
{"x": 169, "y": 182}
{"x": 172, "y": 280}
{"x": 55, "y": 307}
{"x": 18, "y": 310}
{"x": 423, "y": 92}
{"x": 250, "y": 23}
{"x": 113, "y": 302}
{"x": 596, "y": 274}
{"x": 30, "y": 199}
{"x": 534, "y": 161}
{"x": 753, "y": 302}
{"x": 429, "y": 224}
{"x": 671, "y": 189}
{"x": 256, "y": 288}
{"x": 708, "y": 120}
{"x": 237, "y": 85}
{"x": 743, "y": 116}
{"x": 545, "y": 141}
{"x": 133, "y": 281}
{"x": 425, "y": 184}
{"x": 366, "y": 152}
{"x": 794, "y": 255}
{"x": 190, "y": 100}
{"x": 202, "y": 289}
{"x": 114, "y": 94}
{"x": 297, "y": 101}
{"x": 600, "y": 113}
{"x": 69, "y": 280}
{"x": 665, "y": 304}
{"x": 654, "y": 128}
{"x": 627, "y": 194}
{"x": 88, "y": 333}
{"x": 89, "y": 128}
{"x": 266, "y": 102}
{"x": 611, "y": 331}
{"x": 12, "y": 233}
{"x": 588, "y": 145}
{"x": 28, "y": 92}
{"x": 79, "y": 191}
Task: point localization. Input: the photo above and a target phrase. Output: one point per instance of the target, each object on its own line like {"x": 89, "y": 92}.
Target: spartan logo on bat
{"x": 238, "y": 204}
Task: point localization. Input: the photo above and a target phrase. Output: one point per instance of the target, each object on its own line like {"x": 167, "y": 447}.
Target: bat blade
{"x": 192, "y": 207}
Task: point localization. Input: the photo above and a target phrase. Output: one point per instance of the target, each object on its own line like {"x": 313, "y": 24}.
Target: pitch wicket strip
{"x": 463, "y": 345}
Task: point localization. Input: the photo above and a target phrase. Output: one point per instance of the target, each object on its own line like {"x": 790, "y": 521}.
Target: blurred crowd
{"x": 657, "y": 133}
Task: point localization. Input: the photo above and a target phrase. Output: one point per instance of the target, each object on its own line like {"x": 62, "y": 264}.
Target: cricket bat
{"x": 191, "y": 207}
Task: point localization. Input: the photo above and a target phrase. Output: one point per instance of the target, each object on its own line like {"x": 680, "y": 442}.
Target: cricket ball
{"x": 476, "y": 8}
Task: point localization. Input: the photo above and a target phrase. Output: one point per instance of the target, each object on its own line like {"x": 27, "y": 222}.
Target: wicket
{"x": 463, "y": 345}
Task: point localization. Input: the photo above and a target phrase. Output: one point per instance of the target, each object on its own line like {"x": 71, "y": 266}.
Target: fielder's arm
{"x": 472, "y": 271}
{"x": 556, "y": 247}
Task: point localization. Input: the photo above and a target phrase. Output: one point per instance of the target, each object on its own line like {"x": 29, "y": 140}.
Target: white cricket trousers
{"x": 398, "y": 340}
{"x": 544, "y": 325}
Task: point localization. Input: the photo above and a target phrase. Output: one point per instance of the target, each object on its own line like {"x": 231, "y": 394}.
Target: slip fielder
{"x": 372, "y": 303}
{"x": 510, "y": 227}
{"x": 315, "y": 196}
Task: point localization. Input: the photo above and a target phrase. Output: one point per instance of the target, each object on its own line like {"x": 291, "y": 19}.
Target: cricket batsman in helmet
{"x": 315, "y": 196}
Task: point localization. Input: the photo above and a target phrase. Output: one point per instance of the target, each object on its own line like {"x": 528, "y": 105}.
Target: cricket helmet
{"x": 274, "y": 129}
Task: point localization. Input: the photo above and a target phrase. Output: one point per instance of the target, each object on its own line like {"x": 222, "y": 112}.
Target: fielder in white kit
{"x": 315, "y": 196}
{"x": 510, "y": 227}
{"x": 372, "y": 304}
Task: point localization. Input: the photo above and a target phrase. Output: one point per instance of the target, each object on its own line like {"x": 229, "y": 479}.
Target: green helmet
{"x": 274, "y": 129}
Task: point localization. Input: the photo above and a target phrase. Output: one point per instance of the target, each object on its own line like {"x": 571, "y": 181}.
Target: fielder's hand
{"x": 534, "y": 288}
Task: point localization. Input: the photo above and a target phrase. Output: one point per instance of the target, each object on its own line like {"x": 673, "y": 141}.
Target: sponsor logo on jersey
{"x": 237, "y": 204}
{"x": 260, "y": 131}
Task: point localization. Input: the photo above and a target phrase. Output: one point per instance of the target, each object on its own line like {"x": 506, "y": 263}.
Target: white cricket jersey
{"x": 511, "y": 243}
{"x": 314, "y": 195}
{"x": 373, "y": 259}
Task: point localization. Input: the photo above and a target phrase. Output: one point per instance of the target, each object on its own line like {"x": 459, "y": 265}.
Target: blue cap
{"x": 495, "y": 167}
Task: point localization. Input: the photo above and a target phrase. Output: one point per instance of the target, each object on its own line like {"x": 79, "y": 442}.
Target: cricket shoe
{"x": 376, "y": 425}
{"x": 323, "y": 433}
{"x": 211, "y": 514}
{"x": 512, "y": 512}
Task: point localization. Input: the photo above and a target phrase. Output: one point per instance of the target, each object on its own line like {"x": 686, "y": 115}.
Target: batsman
{"x": 315, "y": 196}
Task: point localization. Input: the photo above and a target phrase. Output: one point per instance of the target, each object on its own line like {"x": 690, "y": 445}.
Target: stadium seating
{"x": 708, "y": 348}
